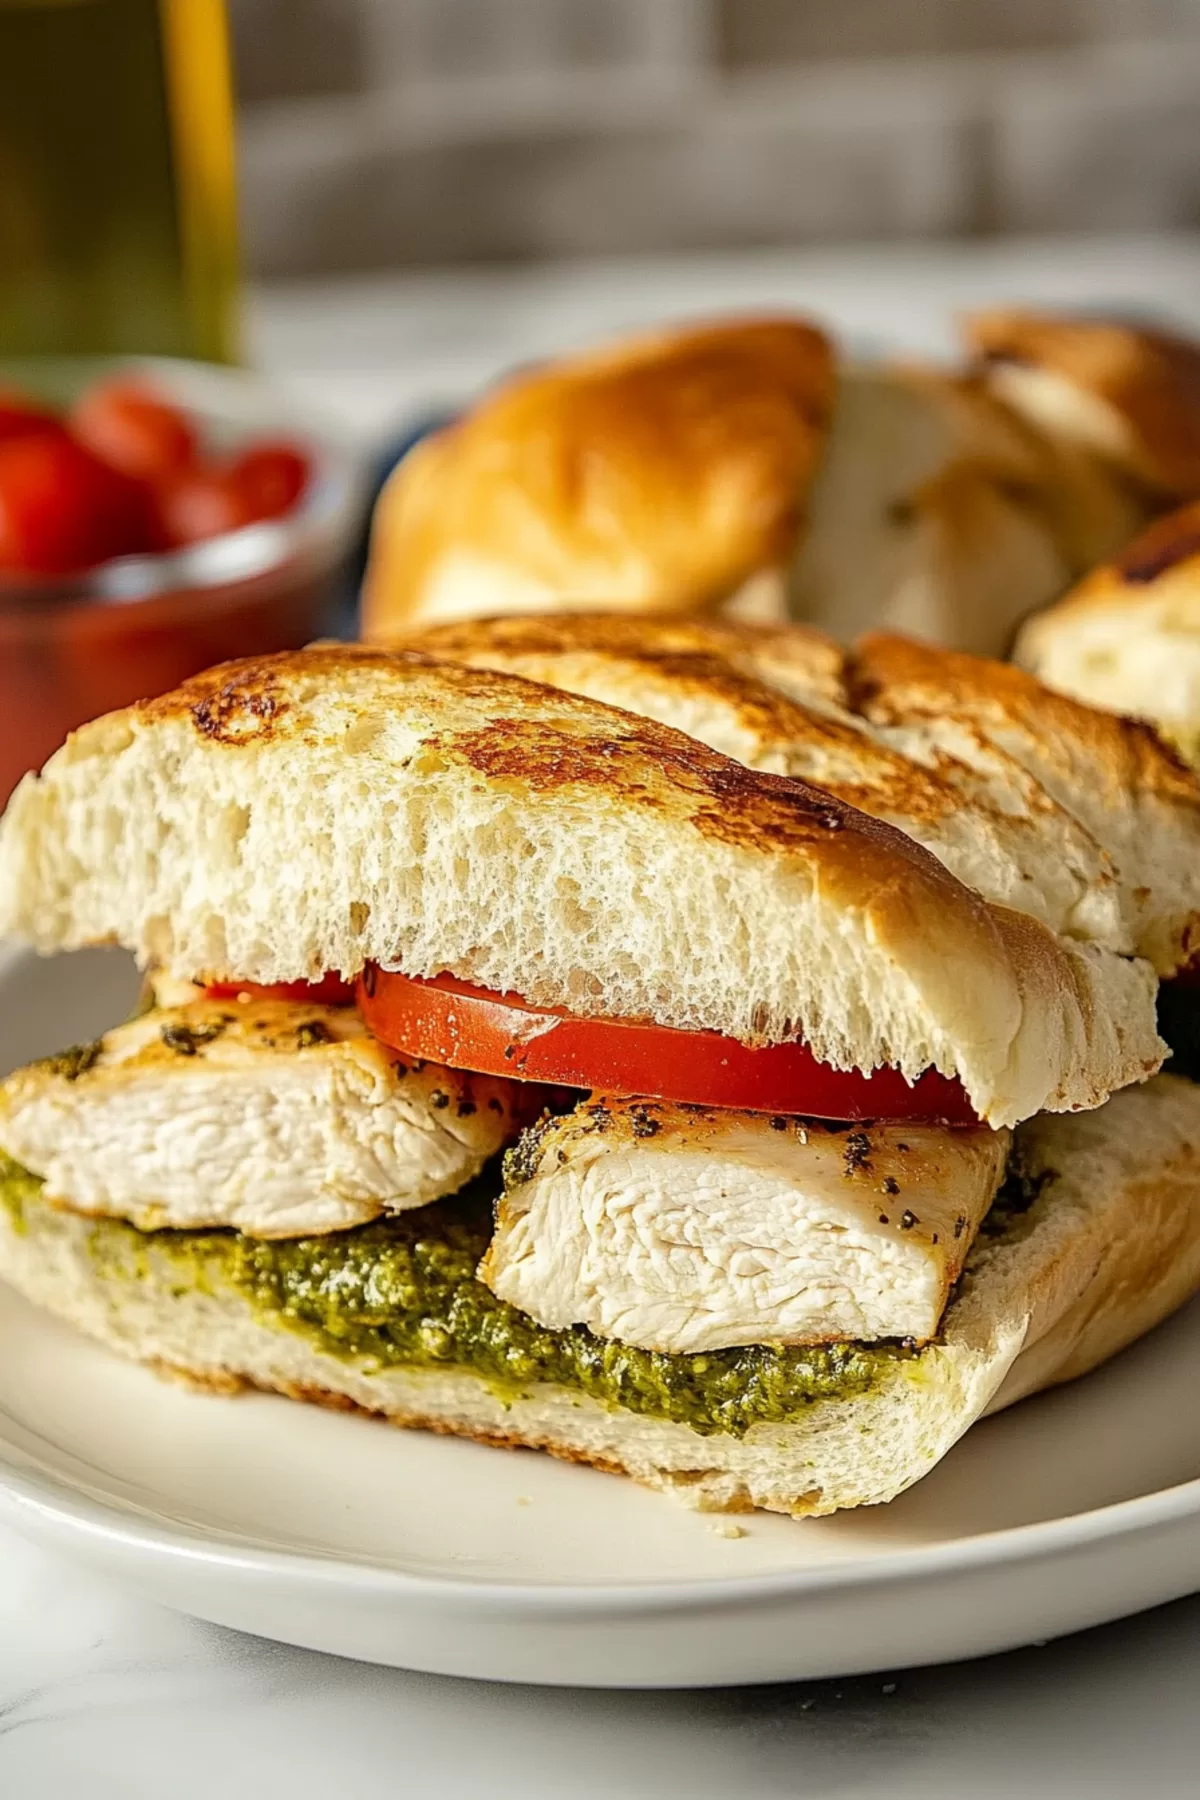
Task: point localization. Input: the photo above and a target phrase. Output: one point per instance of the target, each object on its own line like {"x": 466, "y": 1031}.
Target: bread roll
{"x": 665, "y": 471}
{"x": 1124, "y": 392}
{"x": 1128, "y": 637}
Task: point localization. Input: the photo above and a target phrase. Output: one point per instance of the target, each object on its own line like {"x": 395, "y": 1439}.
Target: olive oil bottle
{"x": 117, "y": 186}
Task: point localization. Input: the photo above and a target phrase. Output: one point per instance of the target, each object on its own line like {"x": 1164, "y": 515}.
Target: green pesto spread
{"x": 19, "y": 1192}
{"x": 403, "y": 1292}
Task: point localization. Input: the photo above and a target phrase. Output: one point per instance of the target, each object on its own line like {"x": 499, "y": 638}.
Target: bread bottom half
{"x": 1096, "y": 1239}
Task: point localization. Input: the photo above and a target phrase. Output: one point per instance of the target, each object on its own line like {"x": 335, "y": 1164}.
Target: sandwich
{"x": 743, "y": 468}
{"x": 1128, "y": 636}
{"x": 517, "y": 1065}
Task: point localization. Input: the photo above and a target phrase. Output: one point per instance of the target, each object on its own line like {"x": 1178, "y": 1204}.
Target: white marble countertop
{"x": 109, "y": 1698}
{"x": 113, "y": 1699}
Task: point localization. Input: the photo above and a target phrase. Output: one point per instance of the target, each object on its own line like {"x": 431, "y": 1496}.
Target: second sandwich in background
{"x": 744, "y": 468}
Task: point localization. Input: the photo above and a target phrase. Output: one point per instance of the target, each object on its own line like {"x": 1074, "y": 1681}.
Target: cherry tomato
{"x": 272, "y": 476}
{"x": 199, "y": 504}
{"x": 261, "y": 483}
{"x": 448, "y": 1021}
{"x": 22, "y": 417}
{"x": 330, "y": 990}
{"x": 128, "y": 424}
{"x": 62, "y": 509}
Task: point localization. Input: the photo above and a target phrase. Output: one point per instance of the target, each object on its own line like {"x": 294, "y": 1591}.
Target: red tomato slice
{"x": 131, "y": 426}
{"x": 331, "y": 990}
{"x": 62, "y": 509}
{"x": 448, "y": 1021}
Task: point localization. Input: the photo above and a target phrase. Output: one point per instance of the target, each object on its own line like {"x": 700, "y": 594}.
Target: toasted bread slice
{"x": 1098, "y": 1242}
{"x": 1128, "y": 637}
{"x": 1081, "y": 819}
{"x": 279, "y": 818}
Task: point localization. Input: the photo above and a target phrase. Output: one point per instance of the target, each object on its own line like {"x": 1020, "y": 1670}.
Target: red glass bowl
{"x": 73, "y": 649}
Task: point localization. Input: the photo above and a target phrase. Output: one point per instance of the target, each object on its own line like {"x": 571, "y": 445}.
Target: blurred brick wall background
{"x": 383, "y": 132}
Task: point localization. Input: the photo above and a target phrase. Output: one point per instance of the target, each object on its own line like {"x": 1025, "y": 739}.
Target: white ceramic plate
{"x": 344, "y": 1535}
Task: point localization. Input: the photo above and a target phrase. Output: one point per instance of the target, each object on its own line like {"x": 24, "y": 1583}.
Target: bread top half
{"x": 665, "y": 471}
{"x": 277, "y": 818}
{"x": 1086, "y": 822}
{"x": 1126, "y": 391}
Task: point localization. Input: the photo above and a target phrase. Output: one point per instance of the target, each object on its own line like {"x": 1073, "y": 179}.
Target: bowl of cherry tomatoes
{"x": 156, "y": 517}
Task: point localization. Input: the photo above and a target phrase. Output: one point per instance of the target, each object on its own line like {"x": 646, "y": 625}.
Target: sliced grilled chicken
{"x": 687, "y": 1229}
{"x": 277, "y": 1118}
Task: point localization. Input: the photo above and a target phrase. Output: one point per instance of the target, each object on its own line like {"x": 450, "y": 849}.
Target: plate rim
{"x": 54, "y": 1501}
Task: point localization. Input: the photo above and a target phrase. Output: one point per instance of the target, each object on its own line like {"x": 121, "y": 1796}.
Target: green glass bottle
{"x": 118, "y": 206}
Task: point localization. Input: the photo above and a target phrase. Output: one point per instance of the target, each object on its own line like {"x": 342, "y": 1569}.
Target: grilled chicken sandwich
{"x": 805, "y": 1074}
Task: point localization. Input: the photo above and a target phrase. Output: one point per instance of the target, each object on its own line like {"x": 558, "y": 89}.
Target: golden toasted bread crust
{"x": 522, "y": 732}
{"x": 746, "y": 673}
{"x": 664, "y": 642}
{"x": 883, "y": 677}
{"x": 900, "y": 680}
{"x": 663, "y": 472}
{"x": 923, "y": 737}
{"x": 1150, "y": 378}
{"x": 1169, "y": 544}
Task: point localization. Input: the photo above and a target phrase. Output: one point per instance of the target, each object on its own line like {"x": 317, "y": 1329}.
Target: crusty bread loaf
{"x": 1121, "y": 390}
{"x": 1128, "y": 637}
{"x": 1109, "y": 1245}
{"x": 662, "y": 472}
{"x": 715, "y": 467}
{"x": 275, "y": 819}
{"x": 1083, "y": 820}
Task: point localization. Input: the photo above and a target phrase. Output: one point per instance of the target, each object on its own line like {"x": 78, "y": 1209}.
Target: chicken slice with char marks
{"x": 687, "y": 1229}
{"x": 277, "y": 1118}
